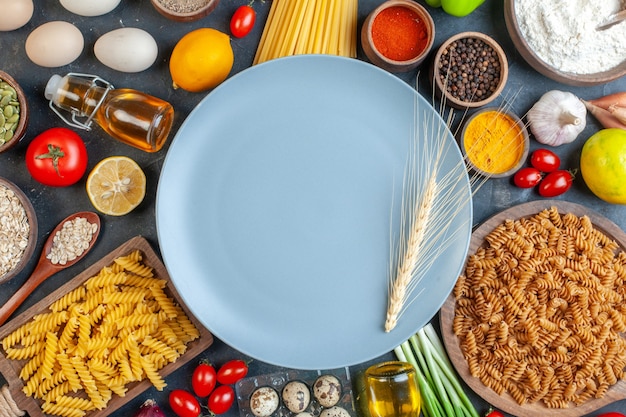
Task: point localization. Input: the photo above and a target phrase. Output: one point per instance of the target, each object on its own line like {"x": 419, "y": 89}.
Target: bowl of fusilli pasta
{"x": 534, "y": 324}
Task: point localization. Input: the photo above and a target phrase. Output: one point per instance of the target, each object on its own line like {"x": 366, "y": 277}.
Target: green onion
{"x": 441, "y": 391}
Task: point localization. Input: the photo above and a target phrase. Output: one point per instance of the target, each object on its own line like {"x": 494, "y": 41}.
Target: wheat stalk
{"x": 425, "y": 214}
{"x": 429, "y": 204}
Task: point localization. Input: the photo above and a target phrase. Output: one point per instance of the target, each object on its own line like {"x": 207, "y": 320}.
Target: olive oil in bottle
{"x": 130, "y": 116}
{"x": 392, "y": 390}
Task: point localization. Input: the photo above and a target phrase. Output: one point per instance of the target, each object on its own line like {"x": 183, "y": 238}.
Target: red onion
{"x": 150, "y": 409}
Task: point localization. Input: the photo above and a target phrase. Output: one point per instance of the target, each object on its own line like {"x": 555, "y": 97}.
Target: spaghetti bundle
{"x": 309, "y": 27}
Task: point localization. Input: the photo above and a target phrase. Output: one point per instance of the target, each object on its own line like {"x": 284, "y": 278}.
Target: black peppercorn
{"x": 469, "y": 69}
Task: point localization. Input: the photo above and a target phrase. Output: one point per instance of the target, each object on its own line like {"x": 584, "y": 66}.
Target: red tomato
{"x": 556, "y": 183}
{"x": 527, "y": 177}
{"x": 493, "y": 413}
{"x": 184, "y": 404}
{"x": 242, "y": 21}
{"x": 611, "y": 414}
{"x": 545, "y": 160}
{"x": 203, "y": 380}
{"x": 232, "y": 371}
{"x": 57, "y": 157}
{"x": 221, "y": 399}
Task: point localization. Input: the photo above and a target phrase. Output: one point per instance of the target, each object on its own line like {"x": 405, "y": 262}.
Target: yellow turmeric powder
{"x": 493, "y": 142}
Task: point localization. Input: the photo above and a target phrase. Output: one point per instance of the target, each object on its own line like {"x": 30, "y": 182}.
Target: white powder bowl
{"x": 531, "y": 52}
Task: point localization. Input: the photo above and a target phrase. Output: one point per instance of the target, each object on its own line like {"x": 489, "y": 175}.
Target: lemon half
{"x": 116, "y": 185}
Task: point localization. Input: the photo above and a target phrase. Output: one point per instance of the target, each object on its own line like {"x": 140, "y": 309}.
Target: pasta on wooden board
{"x": 540, "y": 308}
{"x": 100, "y": 337}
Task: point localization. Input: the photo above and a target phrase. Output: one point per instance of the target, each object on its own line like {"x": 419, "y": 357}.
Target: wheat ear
{"x": 410, "y": 254}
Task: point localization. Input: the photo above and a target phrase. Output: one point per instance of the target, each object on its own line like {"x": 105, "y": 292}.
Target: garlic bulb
{"x": 557, "y": 117}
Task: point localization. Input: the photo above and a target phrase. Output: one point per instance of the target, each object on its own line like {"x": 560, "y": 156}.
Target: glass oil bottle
{"x": 128, "y": 115}
{"x": 392, "y": 390}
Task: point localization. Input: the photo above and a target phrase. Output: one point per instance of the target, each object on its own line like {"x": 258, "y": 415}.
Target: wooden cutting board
{"x": 10, "y": 369}
{"x": 506, "y": 402}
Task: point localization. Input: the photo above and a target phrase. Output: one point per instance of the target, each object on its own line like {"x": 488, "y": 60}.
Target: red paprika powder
{"x": 399, "y": 33}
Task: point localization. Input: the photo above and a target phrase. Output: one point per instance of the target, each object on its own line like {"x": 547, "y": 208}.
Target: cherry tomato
{"x": 204, "y": 379}
{"x": 232, "y": 371}
{"x": 221, "y": 399}
{"x": 242, "y": 21}
{"x": 545, "y": 160}
{"x": 611, "y": 414}
{"x": 556, "y": 183}
{"x": 184, "y": 404}
{"x": 493, "y": 413}
{"x": 57, "y": 157}
{"x": 527, "y": 177}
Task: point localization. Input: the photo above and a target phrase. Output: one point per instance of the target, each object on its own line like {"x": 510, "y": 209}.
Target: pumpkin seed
{"x": 4, "y": 101}
{"x": 9, "y": 112}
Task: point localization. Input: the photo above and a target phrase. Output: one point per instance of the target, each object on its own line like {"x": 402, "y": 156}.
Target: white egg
{"x": 126, "y": 49}
{"x": 90, "y": 7}
{"x": 15, "y": 14}
{"x": 54, "y": 44}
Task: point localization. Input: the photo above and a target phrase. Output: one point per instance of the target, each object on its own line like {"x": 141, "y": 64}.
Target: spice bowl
{"x": 398, "y": 35}
{"x": 494, "y": 142}
{"x": 469, "y": 70}
{"x": 18, "y": 241}
{"x": 184, "y": 11}
{"x": 13, "y": 112}
{"x": 523, "y": 46}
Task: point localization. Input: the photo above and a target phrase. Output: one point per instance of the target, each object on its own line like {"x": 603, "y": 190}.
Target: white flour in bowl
{"x": 563, "y": 33}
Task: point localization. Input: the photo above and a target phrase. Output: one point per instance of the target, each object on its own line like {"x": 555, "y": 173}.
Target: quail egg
{"x": 296, "y": 396}
{"x": 335, "y": 411}
{"x": 327, "y": 390}
{"x": 264, "y": 401}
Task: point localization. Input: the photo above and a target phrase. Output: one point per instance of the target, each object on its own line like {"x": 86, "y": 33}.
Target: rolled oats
{"x": 14, "y": 230}
{"x": 71, "y": 241}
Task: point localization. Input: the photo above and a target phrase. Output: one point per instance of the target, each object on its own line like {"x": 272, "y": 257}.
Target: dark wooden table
{"x": 524, "y": 87}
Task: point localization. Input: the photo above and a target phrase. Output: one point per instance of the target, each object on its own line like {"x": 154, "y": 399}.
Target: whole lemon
{"x": 603, "y": 165}
{"x": 201, "y": 60}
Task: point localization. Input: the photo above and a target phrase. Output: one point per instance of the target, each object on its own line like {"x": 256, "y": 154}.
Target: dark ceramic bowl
{"x": 377, "y": 57}
{"x": 22, "y": 122}
{"x": 539, "y": 65}
{"x": 442, "y": 82}
{"x": 28, "y": 251}
{"x": 519, "y": 148}
{"x": 171, "y": 9}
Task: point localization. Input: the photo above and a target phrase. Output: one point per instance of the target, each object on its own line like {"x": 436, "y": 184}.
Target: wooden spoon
{"x": 45, "y": 268}
{"x": 613, "y": 20}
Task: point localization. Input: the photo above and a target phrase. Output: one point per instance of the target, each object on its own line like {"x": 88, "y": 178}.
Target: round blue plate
{"x": 274, "y": 210}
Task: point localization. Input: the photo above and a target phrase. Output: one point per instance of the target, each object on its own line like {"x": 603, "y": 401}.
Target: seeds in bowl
{"x": 9, "y": 111}
{"x": 14, "y": 230}
{"x": 470, "y": 69}
{"x": 71, "y": 241}
{"x": 183, "y": 6}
